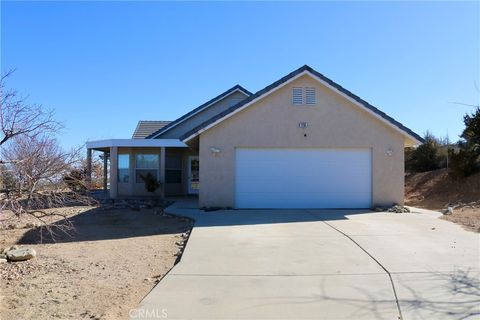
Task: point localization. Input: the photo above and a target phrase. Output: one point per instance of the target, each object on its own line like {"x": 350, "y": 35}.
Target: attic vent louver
{"x": 310, "y": 95}
{"x": 297, "y": 95}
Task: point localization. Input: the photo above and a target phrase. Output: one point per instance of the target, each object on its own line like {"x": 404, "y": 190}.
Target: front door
{"x": 193, "y": 175}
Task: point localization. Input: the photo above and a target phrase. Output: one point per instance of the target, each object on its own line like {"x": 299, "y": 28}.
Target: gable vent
{"x": 297, "y": 95}
{"x": 310, "y": 95}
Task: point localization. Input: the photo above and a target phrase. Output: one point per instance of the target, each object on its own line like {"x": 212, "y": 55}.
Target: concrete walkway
{"x": 319, "y": 264}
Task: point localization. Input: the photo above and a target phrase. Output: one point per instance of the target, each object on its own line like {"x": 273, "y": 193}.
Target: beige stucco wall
{"x": 202, "y": 116}
{"x": 273, "y": 122}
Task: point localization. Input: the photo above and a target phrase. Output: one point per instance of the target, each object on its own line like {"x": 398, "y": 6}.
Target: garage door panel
{"x": 304, "y": 200}
{"x": 303, "y": 178}
{"x": 297, "y": 184}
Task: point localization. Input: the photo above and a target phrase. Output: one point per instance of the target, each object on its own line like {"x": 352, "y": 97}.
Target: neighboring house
{"x": 301, "y": 142}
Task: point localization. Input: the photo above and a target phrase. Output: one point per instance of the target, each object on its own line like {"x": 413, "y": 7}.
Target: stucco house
{"x": 301, "y": 142}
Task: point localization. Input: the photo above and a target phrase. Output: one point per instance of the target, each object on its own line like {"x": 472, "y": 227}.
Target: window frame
{"x": 127, "y": 156}
{"x": 156, "y": 168}
{"x": 178, "y": 169}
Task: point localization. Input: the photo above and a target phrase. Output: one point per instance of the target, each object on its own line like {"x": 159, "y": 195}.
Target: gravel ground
{"x": 467, "y": 216}
{"x": 112, "y": 261}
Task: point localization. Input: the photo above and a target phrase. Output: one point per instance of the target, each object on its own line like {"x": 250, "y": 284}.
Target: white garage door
{"x": 303, "y": 178}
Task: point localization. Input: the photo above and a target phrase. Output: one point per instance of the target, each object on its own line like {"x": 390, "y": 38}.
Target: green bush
{"x": 151, "y": 183}
{"x": 463, "y": 163}
{"x": 467, "y": 160}
{"x": 471, "y": 134}
{"x": 425, "y": 157}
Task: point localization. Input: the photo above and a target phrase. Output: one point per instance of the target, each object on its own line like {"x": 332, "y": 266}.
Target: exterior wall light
{"x": 389, "y": 152}
{"x": 215, "y": 150}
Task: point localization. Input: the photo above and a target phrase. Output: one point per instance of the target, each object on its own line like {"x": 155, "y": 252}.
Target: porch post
{"x": 162, "y": 170}
{"x": 105, "y": 171}
{"x": 88, "y": 179}
{"x": 113, "y": 171}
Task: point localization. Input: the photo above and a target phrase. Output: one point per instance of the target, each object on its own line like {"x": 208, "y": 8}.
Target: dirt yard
{"x": 435, "y": 190}
{"x": 113, "y": 260}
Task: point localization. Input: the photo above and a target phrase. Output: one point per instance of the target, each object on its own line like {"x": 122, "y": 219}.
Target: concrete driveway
{"x": 320, "y": 264}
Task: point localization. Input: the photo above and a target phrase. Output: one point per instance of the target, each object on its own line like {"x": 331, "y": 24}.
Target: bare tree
{"x": 38, "y": 188}
{"x": 34, "y": 166}
{"x": 17, "y": 117}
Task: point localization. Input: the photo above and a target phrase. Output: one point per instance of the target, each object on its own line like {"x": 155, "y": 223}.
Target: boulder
{"x": 15, "y": 247}
{"x": 21, "y": 254}
{"x": 3, "y": 260}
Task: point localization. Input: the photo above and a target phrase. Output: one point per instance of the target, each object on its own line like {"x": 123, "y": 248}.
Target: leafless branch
{"x": 18, "y": 118}
{"x": 464, "y": 104}
{"x": 33, "y": 175}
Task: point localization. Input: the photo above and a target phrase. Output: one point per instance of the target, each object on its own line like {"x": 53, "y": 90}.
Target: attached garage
{"x": 301, "y": 142}
{"x": 303, "y": 178}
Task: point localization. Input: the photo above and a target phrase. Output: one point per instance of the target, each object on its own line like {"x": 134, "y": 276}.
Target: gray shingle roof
{"x": 288, "y": 77}
{"x": 197, "y": 109}
{"x": 146, "y": 128}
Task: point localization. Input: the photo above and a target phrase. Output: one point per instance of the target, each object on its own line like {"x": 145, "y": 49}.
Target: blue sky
{"x": 102, "y": 66}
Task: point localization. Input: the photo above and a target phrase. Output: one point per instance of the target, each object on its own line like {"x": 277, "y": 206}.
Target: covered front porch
{"x": 126, "y": 162}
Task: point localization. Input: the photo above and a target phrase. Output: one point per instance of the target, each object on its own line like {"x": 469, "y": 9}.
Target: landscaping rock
{"x": 398, "y": 209}
{"x": 31, "y": 225}
{"x": 4, "y": 251}
{"x": 3, "y": 260}
{"x": 21, "y": 254}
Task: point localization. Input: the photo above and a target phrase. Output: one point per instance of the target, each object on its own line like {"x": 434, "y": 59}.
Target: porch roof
{"x": 135, "y": 143}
